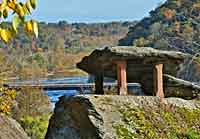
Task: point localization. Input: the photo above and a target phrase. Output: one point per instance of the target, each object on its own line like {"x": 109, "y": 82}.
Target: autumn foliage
{"x": 168, "y": 13}
{"x": 19, "y": 12}
{"x": 7, "y": 97}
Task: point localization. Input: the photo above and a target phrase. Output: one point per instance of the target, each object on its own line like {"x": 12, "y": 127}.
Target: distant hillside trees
{"x": 174, "y": 25}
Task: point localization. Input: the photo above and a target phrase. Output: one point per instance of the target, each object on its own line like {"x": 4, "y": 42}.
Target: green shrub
{"x": 164, "y": 122}
{"x": 35, "y": 127}
{"x": 33, "y": 111}
{"x": 192, "y": 134}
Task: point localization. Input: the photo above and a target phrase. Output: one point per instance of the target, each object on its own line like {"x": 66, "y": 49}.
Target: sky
{"x": 93, "y": 10}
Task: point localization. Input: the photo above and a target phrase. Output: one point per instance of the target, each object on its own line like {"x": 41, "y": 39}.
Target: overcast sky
{"x": 93, "y": 10}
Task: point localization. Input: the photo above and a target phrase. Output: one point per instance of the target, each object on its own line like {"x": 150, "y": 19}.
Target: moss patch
{"x": 166, "y": 122}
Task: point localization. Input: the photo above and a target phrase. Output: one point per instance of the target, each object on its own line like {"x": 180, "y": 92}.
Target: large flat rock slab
{"x": 140, "y": 62}
{"x": 139, "y": 57}
{"x": 109, "y": 117}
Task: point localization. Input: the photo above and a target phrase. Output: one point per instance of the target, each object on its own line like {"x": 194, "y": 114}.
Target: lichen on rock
{"x": 124, "y": 117}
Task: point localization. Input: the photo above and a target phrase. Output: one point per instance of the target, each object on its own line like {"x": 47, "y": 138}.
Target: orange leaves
{"x": 168, "y": 13}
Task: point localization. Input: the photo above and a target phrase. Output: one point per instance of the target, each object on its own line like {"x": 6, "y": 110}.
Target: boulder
{"x": 175, "y": 87}
{"x": 75, "y": 118}
{"x": 10, "y": 129}
{"x": 138, "y": 57}
{"x": 103, "y": 117}
{"x": 140, "y": 63}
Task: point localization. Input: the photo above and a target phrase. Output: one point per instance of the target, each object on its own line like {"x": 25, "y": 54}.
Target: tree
{"x": 18, "y": 11}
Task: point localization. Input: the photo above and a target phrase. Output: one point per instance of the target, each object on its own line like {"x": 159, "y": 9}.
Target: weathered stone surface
{"x": 175, "y": 87}
{"x": 75, "y": 118}
{"x": 140, "y": 57}
{"x": 96, "y": 117}
{"x": 10, "y": 129}
{"x": 140, "y": 63}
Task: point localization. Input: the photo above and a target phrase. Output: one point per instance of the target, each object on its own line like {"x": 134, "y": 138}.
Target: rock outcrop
{"x": 114, "y": 117}
{"x": 10, "y": 129}
{"x": 75, "y": 118}
{"x": 175, "y": 87}
{"x": 140, "y": 67}
{"x": 104, "y": 59}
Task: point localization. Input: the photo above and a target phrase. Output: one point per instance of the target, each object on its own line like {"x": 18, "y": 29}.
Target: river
{"x": 55, "y": 94}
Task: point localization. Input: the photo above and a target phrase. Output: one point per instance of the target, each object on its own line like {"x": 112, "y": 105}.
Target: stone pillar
{"x": 99, "y": 84}
{"x": 158, "y": 80}
{"x": 122, "y": 78}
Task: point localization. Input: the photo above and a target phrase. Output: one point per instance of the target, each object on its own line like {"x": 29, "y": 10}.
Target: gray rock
{"x": 175, "y": 87}
{"x": 139, "y": 57}
{"x": 10, "y": 129}
{"x": 75, "y": 118}
{"x": 140, "y": 63}
{"x": 95, "y": 117}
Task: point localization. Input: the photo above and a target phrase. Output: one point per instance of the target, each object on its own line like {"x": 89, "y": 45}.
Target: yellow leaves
{"x": 31, "y": 27}
{"x": 6, "y": 99}
{"x": 5, "y": 107}
{"x": 2, "y": 6}
{"x": 11, "y": 4}
{"x": 20, "y": 8}
{"x": 5, "y": 35}
{"x": 24, "y": 9}
{"x": 20, "y": 11}
{"x": 28, "y": 27}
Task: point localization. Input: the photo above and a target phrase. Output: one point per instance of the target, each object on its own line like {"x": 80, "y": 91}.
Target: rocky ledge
{"x": 10, "y": 129}
{"x": 117, "y": 117}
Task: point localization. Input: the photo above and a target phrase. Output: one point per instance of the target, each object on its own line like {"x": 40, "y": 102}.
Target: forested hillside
{"x": 77, "y": 36}
{"x": 173, "y": 25}
{"x": 58, "y": 48}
